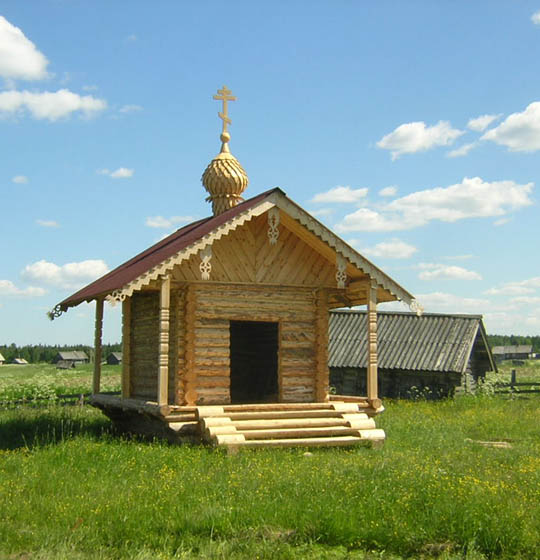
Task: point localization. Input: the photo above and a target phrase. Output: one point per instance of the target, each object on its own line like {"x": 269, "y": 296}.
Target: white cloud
{"x": 472, "y": 198}
{"x": 449, "y": 303}
{"x": 19, "y": 58}
{"x": 120, "y": 173}
{"x": 516, "y": 288}
{"x": 526, "y": 300}
{"x": 131, "y": 38}
{"x": 388, "y": 191}
{"x": 462, "y": 150}
{"x": 322, "y": 212}
{"x": 415, "y": 137}
{"x": 519, "y": 132}
{"x": 167, "y": 223}
{"x": 392, "y": 249}
{"x": 130, "y": 109}
{"x": 480, "y": 124}
{"x": 70, "y": 275}
{"x": 48, "y": 223}
{"x": 341, "y": 195}
{"x": 8, "y": 288}
{"x": 434, "y": 271}
{"x": 501, "y": 221}
{"x": 49, "y": 105}
{"x": 535, "y": 18}
{"x": 20, "y": 179}
{"x": 90, "y": 88}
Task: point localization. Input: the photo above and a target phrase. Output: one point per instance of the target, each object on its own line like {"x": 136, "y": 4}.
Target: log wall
{"x": 295, "y": 311}
{"x": 144, "y": 343}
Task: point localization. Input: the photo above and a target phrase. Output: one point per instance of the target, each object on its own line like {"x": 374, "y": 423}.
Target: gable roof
{"x": 516, "y": 349}
{"x": 72, "y": 355}
{"x": 406, "y": 341}
{"x": 2, "y": 359}
{"x": 188, "y": 240}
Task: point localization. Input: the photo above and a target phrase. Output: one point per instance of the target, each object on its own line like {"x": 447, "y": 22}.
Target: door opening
{"x": 254, "y": 362}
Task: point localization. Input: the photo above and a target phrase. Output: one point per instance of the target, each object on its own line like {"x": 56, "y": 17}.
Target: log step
{"x": 296, "y": 442}
{"x": 282, "y": 425}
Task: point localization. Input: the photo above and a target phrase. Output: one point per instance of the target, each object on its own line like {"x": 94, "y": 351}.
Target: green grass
{"x": 70, "y": 489}
{"x": 45, "y": 381}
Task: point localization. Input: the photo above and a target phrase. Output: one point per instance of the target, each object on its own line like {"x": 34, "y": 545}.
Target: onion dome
{"x": 224, "y": 178}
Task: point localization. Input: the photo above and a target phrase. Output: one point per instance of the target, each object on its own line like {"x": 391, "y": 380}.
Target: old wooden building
{"x": 225, "y": 323}
{"x": 430, "y": 355}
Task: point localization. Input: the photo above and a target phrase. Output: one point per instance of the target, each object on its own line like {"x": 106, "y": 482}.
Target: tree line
{"x": 35, "y": 353}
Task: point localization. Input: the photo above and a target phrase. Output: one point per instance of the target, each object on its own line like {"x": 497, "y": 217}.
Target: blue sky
{"x": 412, "y": 129}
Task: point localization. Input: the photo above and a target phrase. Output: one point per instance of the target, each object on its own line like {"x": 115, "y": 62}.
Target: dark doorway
{"x": 254, "y": 362}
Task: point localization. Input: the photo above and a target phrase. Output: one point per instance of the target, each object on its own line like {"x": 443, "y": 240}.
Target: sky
{"x": 411, "y": 129}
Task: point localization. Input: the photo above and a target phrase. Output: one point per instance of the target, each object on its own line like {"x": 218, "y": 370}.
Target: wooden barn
{"x": 71, "y": 358}
{"x": 114, "y": 358}
{"x": 430, "y": 355}
{"x": 225, "y": 323}
{"x": 516, "y": 352}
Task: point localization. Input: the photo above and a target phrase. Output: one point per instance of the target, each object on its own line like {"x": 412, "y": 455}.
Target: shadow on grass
{"x": 27, "y": 427}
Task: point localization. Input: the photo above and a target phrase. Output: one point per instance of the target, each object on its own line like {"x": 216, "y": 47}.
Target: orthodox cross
{"x": 224, "y": 95}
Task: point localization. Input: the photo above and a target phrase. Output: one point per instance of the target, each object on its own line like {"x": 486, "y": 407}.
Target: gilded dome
{"x": 225, "y": 180}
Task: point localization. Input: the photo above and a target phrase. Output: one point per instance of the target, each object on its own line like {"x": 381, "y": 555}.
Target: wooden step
{"x": 292, "y": 442}
{"x": 286, "y": 425}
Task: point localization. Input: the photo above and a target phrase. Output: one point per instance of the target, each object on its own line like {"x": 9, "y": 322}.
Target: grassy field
{"x": 45, "y": 381}
{"x": 70, "y": 489}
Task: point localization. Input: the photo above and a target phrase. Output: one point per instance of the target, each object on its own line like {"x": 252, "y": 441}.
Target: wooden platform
{"x": 334, "y": 423}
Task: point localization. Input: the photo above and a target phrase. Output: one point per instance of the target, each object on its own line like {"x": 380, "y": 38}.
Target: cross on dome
{"x": 224, "y": 95}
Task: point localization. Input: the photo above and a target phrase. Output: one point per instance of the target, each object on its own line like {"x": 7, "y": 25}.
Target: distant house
{"x": 114, "y": 358}
{"x": 522, "y": 352}
{"x": 70, "y": 359}
{"x": 19, "y": 361}
{"x": 431, "y": 353}
{"x": 2, "y": 360}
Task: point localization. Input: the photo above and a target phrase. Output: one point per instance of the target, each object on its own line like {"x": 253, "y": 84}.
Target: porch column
{"x": 190, "y": 373}
{"x": 126, "y": 348}
{"x": 322, "y": 380}
{"x": 96, "y": 381}
{"x": 163, "y": 355}
{"x": 372, "y": 388}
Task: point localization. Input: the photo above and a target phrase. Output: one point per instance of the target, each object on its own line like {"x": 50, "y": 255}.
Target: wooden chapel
{"x": 225, "y": 323}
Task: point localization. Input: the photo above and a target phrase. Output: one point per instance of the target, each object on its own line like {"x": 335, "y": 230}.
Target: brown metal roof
{"x": 406, "y": 341}
{"x": 159, "y": 252}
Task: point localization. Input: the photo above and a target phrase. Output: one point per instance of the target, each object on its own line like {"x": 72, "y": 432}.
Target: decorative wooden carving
{"x": 372, "y": 388}
{"x": 273, "y": 223}
{"x": 341, "y": 270}
{"x": 206, "y": 266}
{"x": 126, "y": 348}
{"x": 168, "y": 264}
{"x": 97, "y": 346}
{"x": 163, "y": 354}
{"x": 190, "y": 373}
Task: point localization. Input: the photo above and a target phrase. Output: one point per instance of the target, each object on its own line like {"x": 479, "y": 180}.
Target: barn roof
{"x": 519, "y": 349}
{"x": 188, "y": 240}
{"x": 406, "y": 341}
{"x": 72, "y": 355}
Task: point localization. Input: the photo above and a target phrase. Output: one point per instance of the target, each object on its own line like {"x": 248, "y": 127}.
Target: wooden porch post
{"x": 190, "y": 375}
{"x": 96, "y": 381}
{"x": 322, "y": 380}
{"x": 126, "y": 348}
{"x": 372, "y": 386}
{"x": 163, "y": 355}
